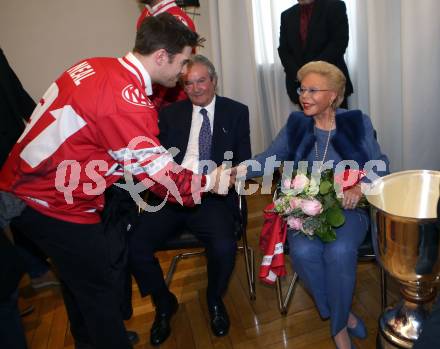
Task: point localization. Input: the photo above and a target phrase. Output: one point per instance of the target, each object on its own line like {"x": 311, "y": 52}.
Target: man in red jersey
{"x": 95, "y": 123}
{"x": 163, "y": 96}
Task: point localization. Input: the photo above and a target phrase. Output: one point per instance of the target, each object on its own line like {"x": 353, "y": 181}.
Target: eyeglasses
{"x": 310, "y": 90}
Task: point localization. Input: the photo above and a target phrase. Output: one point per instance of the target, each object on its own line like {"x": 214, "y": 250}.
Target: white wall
{"x": 41, "y": 38}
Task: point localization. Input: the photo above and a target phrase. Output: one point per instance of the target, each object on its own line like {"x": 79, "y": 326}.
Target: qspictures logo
{"x": 157, "y": 163}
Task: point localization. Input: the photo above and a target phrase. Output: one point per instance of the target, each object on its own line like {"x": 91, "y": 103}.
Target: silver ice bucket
{"x": 406, "y": 241}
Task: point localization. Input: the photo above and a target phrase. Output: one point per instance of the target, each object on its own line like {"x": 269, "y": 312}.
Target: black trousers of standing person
{"x": 430, "y": 337}
{"x": 88, "y": 259}
{"x": 212, "y": 222}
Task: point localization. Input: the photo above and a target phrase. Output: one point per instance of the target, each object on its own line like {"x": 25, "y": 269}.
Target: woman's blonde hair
{"x": 332, "y": 73}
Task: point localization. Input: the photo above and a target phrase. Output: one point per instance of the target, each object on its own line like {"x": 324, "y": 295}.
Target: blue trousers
{"x": 328, "y": 270}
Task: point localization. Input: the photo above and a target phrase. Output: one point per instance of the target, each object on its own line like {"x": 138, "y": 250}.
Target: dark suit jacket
{"x": 327, "y": 40}
{"x": 231, "y": 133}
{"x": 15, "y": 105}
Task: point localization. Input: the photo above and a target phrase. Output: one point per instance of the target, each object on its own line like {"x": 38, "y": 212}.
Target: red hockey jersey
{"x": 169, "y": 6}
{"x": 94, "y": 124}
{"x": 162, "y": 95}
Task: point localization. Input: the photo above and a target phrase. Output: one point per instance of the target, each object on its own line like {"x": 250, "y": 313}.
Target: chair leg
{"x": 249, "y": 262}
{"x": 383, "y": 288}
{"x": 284, "y": 301}
{"x": 174, "y": 262}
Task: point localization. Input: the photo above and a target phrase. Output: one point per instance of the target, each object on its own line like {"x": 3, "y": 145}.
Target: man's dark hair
{"x": 164, "y": 32}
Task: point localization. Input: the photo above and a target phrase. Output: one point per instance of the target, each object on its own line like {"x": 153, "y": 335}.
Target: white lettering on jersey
{"x": 80, "y": 72}
{"x": 133, "y": 95}
{"x": 67, "y": 122}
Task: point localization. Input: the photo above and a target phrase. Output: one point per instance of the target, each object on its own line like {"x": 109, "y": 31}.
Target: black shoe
{"x": 219, "y": 319}
{"x": 132, "y": 337}
{"x": 161, "y": 329}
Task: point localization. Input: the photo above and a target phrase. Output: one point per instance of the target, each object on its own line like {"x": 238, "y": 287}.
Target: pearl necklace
{"x": 326, "y": 146}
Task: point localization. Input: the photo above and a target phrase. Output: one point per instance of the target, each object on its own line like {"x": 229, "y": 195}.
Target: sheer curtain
{"x": 276, "y": 104}
{"x": 394, "y": 62}
{"x": 233, "y": 53}
{"x": 240, "y": 29}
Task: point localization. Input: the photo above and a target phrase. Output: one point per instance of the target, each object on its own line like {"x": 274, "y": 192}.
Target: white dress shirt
{"x": 191, "y": 159}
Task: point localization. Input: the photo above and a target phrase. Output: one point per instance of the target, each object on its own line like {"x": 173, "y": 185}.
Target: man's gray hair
{"x": 200, "y": 59}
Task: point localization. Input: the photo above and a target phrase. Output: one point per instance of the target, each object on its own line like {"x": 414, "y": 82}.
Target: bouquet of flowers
{"x": 311, "y": 204}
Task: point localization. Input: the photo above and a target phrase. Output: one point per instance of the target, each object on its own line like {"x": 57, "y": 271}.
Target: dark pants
{"x": 87, "y": 258}
{"x": 430, "y": 337}
{"x": 11, "y": 330}
{"x": 34, "y": 259}
{"x": 212, "y": 222}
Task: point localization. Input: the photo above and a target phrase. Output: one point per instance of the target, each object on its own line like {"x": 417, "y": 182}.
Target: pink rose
{"x": 311, "y": 207}
{"x": 300, "y": 182}
{"x": 294, "y": 223}
{"x": 295, "y": 203}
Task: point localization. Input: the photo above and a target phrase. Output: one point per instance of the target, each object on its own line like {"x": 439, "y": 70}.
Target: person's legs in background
{"x": 35, "y": 260}
{"x": 11, "y": 271}
{"x": 11, "y": 329}
{"x": 430, "y": 338}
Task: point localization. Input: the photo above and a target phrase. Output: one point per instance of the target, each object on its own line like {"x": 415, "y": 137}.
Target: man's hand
{"x": 221, "y": 179}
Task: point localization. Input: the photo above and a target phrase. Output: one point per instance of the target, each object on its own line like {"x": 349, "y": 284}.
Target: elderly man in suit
{"x": 313, "y": 30}
{"x": 203, "y": 127}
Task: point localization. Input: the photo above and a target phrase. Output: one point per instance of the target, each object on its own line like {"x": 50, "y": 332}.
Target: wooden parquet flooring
{"x": 254, "y": 324}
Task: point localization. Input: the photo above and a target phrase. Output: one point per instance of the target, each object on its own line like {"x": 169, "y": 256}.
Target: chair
{"x": 187, "y": 240}
{"x": 365, "y": 253}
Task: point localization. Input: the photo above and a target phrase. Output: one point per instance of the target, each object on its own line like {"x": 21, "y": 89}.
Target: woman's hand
{"x": 351, "y": 197}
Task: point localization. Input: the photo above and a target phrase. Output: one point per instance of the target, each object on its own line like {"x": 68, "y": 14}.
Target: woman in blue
{"x": 319, "y": 134}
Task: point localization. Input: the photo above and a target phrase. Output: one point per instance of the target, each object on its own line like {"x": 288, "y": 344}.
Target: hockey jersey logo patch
{"x": 133, "y": 95}
{"x": 180, "y": 18}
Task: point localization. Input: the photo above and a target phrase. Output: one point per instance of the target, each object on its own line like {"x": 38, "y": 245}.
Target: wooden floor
{"x": 254, "y": 324}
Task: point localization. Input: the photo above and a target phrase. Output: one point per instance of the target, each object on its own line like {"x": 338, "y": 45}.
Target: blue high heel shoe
{"x": 359, "y": 331}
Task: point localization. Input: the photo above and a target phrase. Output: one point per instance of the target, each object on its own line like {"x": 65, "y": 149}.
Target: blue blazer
{"x": 354, "y": 139}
